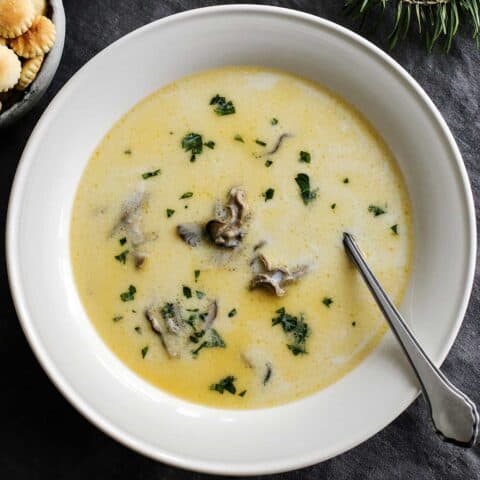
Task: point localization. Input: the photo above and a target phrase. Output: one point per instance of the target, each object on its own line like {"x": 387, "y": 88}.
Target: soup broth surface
{"x": 148, "y": 176}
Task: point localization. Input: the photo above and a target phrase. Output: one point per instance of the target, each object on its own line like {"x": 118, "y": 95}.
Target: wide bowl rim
{"x": 18, "y": 294}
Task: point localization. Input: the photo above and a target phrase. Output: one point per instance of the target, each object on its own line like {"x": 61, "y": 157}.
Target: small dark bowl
{"x": 39, "y": 86}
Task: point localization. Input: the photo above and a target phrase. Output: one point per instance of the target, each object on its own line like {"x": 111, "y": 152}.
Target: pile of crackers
{"x": 26, "y": 36}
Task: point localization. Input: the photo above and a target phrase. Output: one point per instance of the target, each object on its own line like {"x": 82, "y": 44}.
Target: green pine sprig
{"x": 437, "y": 21}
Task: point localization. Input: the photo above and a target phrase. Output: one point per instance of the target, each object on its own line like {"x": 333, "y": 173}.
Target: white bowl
{"x": 84, "y": 369}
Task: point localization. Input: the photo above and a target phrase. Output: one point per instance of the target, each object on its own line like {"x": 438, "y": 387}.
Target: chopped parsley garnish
{"x": 225, "y": 385}
{"x": 232, "y": 312}
{"x": 213, "y": 340}
{"x": 303, "y": 182}
{"x": 239, "y": 138}
{"x": 327, "y": 301}
{"x": 197, "y": 274}
{"x": 222, "y": 106}
{"x": 210, "y": 144}
{"x": 287, "y": 321}
{"x": 242, "y": 393}
{"x": 192, "y": 320}
{"x": 129, "y": 295}
{"x": 296, "y": 329}
{"x": 123, "y": 241}
{"x": 170, "y": 212}
{"x": 147, "y": 175}
{"x": 268, "y": 194}
{"x": 274, "y": 121}
{"x": 187, "y": 292}
{"x": 144, "y": 351}
{"x": 186, "y": 195}
{"x": 260, "y": 142}
{"x": 127, "y": 151}
{"x": 394, "y": 229}
{"x": 196, "y": 335}
{"x": 305, "y": 157}
{"x": 296, "y": 349}
{"x": 192, "y": 142}
{"x": 199, "y": 294}
{"x": 268, "y": 163}
{"x": 122, "y": 257}
{"x": 117, "y": 318}
{"x": 168, "y": 311}
{"x": 333, "y": 205}
{"x": 268, "y": 373}
{"x": 376, "y": 210}
{"x": 346, "y": 180}
{"x": 354, "y": 323}
{"x": 138, "y": 329}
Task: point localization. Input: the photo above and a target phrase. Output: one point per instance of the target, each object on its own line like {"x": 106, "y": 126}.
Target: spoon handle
{"x": 454, "y": 415}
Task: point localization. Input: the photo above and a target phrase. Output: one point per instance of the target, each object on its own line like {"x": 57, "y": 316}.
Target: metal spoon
{"x": 454, "y": 415}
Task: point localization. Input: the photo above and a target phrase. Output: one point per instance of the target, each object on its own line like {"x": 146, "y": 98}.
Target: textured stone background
{"x": 42, "y": 436}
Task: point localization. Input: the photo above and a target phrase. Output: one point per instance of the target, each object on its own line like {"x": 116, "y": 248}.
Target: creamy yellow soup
{"x": 271, "y": 309}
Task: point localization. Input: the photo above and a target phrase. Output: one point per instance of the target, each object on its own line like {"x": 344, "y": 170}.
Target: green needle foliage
{"x": 436, "y": 20}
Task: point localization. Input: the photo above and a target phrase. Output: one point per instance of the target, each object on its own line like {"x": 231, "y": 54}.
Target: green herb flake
{"x": 128, "y": 151}
{"x": 170, "y": 212}
{"x": 346, "y": 180}
{"x": 333, "y": 206}
{"x": 138, "y": 329}
{"x": 376, "y": 210}
{"x": 303, "y": 182}
{"x": 193, "y": 143}
{"x": 260, "y": 142}
{"x": 196, "y": 274}
{"x": 268, "y": 194}
{"x": 305, "y": 157}
{"x": 187, "y": 292}
{"x": 144, "y": 351}
{"x": 327, "y": 301}
{"x": 226, "y": 384}
{"x": 296, "y": 329}
{"x": 210, "y": 144}
{"x": 242, "y": 393}
{"x": 394, "y": 229}
{"x": 123, "y": 241}
{"x": 222, "y": 106}
{"x": 168, "y": 311}
{"x": 274, "y": 121}
{"x": 296, "y": 349}
{"x": 354, "y": 323}
{"x": 199, "y": 294}
{"x": 268, "y": 373}
{"x": 129, "y": 295}
{"x": 122, "y": 257}
{"x": 268, "y": 163}
{"x": 238, "y": 138}
{"x": 213, "y": 340}
{"x": 186, "y": 195}
{"x": 232, "y": 312}
{"x": 147, "y": 175}
{"x": 117, "y": 318}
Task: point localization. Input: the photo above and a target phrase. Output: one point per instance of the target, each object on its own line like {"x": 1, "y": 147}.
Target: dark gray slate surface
{"x": 42, "y": 436}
